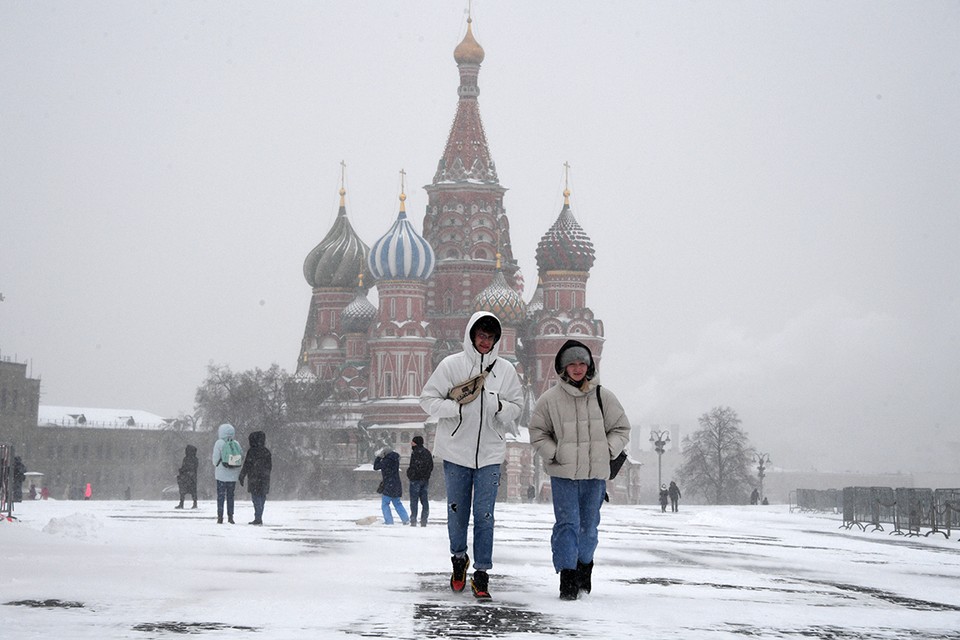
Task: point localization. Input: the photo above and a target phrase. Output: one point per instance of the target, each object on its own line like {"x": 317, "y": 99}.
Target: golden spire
{"x": 343, "y": 191}
{"x": 566, "y": 184}
{"x": 403, "y": 196}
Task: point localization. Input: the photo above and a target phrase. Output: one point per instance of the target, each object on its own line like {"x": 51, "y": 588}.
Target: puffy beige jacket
{"x": 573, "y": 437}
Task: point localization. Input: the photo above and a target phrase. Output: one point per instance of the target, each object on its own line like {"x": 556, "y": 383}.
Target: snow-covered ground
{"x": 132, "y": 569}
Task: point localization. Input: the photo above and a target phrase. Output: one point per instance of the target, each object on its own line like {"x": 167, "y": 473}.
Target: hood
{"x": 468, "y": 343}
{"x": 257, "y": 439}
{"x": 591, "y": 367}
{"x": 191, "y": 451}
{"x": 226, "y": 432}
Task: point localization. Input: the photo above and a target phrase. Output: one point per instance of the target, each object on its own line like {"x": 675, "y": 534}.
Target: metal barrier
{"x": 909, "y": 511}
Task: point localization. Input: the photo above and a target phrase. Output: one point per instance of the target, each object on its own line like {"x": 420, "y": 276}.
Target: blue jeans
{"x": 418, "y": 496}
{"x": 385, "y": 502}
{"x": 576, "y": 508}
{"x": 259, "y": 499}
{"x": 225, "y": 492}
{"x": 476, "y": 487}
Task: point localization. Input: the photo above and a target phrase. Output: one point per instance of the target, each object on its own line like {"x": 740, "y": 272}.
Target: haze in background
{"x": 772, "y": 189}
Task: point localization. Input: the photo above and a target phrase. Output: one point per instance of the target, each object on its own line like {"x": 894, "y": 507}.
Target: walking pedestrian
{"x": 674, "y": 492}
{"x": 418, "y": 473}
{"x": 664, "y": 498}
{"x": 388, "y": 462}
{"x": 476, "y": 397}
{"x": 226, "y": 469}
{"x": 577, "y": 427}
{"x": 187, "y": 476}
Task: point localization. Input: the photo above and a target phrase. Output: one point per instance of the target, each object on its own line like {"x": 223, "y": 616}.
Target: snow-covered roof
{"x": 399, "y": 425}
{"x": 95, "y": 418}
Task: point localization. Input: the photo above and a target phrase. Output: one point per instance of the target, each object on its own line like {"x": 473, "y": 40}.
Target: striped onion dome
{"x": 401, "y": 254}
{"x": 565, "y": 246}
{"x": 335, "y": 261}
{"x": 500, "y": 299}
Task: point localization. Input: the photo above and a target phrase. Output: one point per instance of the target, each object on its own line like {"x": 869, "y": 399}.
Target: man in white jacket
{"x": 470, "y": 441}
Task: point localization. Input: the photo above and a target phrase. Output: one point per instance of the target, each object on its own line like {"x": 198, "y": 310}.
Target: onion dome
{"x": 357, "y": 316}
{"x": 402, "y": 254}
{"x": 536, "y": 302}
{"x": 469, "y": 50}
{"x": 565, "y": 246}
{"x": 335, "y": 261}
{"x": 500, "y": 299}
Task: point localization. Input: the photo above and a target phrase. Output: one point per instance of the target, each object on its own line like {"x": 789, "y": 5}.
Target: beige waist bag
{"x": 467, "y": 392}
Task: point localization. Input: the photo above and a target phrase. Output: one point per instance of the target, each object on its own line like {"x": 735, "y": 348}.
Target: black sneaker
{"x": 459, "y": 578}
{"x": 480, "y": 584}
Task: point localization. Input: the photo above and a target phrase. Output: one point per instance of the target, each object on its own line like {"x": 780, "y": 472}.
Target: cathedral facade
{"x": 429, "y": 282}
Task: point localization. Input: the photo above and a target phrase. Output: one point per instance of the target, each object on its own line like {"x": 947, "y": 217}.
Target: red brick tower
{"x": 465, "y": 222}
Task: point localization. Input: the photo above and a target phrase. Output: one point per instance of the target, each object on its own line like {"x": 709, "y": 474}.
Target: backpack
{"x": 231, "y": 455}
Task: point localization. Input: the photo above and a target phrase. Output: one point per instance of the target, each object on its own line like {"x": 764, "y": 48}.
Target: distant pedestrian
{"x": 577, "y": 428}
{"x": 225, "y": 473}
{"x": 257, "y": 465}
{"x": 388, "y": 462}
{"x": 418, "y": 473}
{"x": 33, "y": 492}
{"x": 674, "y": 492}
{"x": 755, "y": 497}
{"x": 19, "y": 475}
{"x": 88, "y": 492}
{"x": 187, "y": 476}
{"x": 664, "y": 497}
{"x": 765, "y": 501}
{"x": 44, "y": 493}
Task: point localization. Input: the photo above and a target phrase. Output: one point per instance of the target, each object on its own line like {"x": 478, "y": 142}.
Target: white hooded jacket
{"x": 220, "y": 472}
{"x": 472, "y": 435}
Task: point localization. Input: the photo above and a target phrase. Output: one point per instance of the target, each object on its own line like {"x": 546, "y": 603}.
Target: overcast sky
{"x": 772, "y": 189}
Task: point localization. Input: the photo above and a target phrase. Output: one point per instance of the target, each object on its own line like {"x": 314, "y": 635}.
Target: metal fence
{"x": 905, "y": 511}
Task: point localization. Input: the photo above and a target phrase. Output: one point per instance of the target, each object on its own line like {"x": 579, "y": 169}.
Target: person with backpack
{"x": 418, "y": 473}
{"x": 257, "y": 467}
{"x": 227, "y": 459}
{"x": 476, "y": 397}
{"x": 577, "y": 428}
{"x": 187, "y": 476}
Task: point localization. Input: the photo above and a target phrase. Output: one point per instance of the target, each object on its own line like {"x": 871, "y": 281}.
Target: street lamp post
{"x": 659, "y": 440}
{"x": 762, "y": 460}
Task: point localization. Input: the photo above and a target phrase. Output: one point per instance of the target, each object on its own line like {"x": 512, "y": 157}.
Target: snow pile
{"x": 77, "y": 525}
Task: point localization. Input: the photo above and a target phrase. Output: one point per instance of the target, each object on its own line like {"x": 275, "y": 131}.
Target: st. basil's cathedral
{"x": 430, "y": 283}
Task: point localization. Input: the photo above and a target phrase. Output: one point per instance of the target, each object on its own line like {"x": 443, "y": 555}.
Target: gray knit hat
{"x": 574, "y": 354}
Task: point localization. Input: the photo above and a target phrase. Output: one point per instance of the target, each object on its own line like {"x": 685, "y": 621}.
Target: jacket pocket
{"x": 459, "y": 422}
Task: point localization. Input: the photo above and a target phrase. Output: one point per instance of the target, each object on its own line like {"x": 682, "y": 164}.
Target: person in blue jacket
{"x": 226, "y": 476}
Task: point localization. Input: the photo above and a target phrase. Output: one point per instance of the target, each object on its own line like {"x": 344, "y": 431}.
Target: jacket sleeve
{"x": 433, "y": 398}
{"x": 542, "y": 435}
{"x": 510, "y": 395}
{"x": 217, "y": 448}
{"x": 615, "y": 423}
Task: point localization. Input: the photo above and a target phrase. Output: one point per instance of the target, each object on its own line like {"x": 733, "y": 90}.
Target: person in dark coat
{"x": 19, "y": 475}
{"x": 674, "y": 492}
{"x": 664, "y": 497}
{"x": 418, "y": 473}
{"x": 257, "y": 467}
{"x": 187, "y": 476}
{"x": 388, "y": 462}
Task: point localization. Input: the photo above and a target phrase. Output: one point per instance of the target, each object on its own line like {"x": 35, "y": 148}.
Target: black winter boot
{"x": 568, "y": 584}
{"x": 219, "y": 519}
{"x": 459, "y": 578}
{"x": 584, "y": 572}
{"x": 230, "y": 520}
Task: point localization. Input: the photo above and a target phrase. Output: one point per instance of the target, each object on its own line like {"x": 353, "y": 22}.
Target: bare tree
{"x": 716, "y": 458}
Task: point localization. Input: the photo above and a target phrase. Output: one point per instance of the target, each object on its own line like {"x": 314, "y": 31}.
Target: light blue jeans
{"x": 576, "y": 508}
{"x": 476, "y": 488}
{"x": 385, "y": 502}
